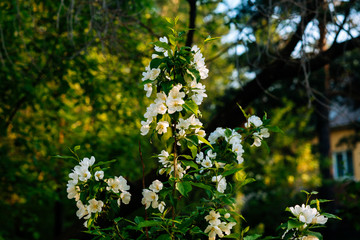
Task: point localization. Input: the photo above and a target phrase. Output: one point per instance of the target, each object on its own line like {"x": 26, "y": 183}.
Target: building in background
{"x": 345, "y": 144}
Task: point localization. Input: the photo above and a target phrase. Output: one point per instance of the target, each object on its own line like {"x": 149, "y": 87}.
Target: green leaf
{"x": 194, "y": 74}
{"x": 320, "y": 201}
{"x": 162, "y": 45}
{"x": 230, "y": 172}
{"x": 294, "y": 224}
{"x": 151, "y": 223}
{"x": 164, "y": 237}
{"x": 233, "y": 235}
{"x": 191, "y": 106}
{"x": 103, "y": 163}
{"x": 146, "y": 82}
{"x": 138, "y": 219}
{"x": 252, "y": 237}
{"x": 184, "y": 188}
{"x": 192, "y": 148}
{"x": 209, "y": 39}
{"x": 303, "y": 191}
{"x": 242, "y": 110}
{"x": 166, "y": 87}
{"x": 247, "y": 181}
{"x": 65, "y": 157}
{"x": 155, "y": 63}
{"x": 187, "y": 157}
{"x": 201, "y": 185}
{"x": 329, "y": 215}
{"x": 205, "y": 141}
{"x": 190, "y": 163}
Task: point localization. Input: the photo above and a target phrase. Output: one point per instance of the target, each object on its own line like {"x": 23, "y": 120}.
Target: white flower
{"x": 180, "y": 171}
{"x": 219, "y": 132}
{"x": 227, "y": 215}
{"x": 220, "y": 183}
{"x": 319, "y": 219}
{"x": 99, "y": 175}
{"x": 161, "y": 108}
{"x": 148, "y": 89}
{"x": 163, "y": 39}
{"x": 86, "y": 162}
{"x": 162, "y": 206}
{"x": 146, "y": 73}
{"x": 213, "y": 218}
{"x": 162, "y": 126}
{"x": 125, "y": 197}
{"x": 296, "y": 210}
{"x": 149, "y": 199}
{"x": 154, "y": 73}
{"x": 95, "y": 206}
{"x": 226, "y": 228}
{"x": 211, "y": 154}
{"x": 207, "y": 163}
{"x": 175, "y": 99}
{"x": 254, "y": 120}
{"x": 199, "y": 157}
{"x": 309, "y": 237}
{"x": 183, "y": 124}
{"x": 145, "y": 127}
{"x": 199, "y": 92}
{"x": 82, "y": 211}
{"x": 160, "y": 49}
{"x": 194, "y": 121}
{"x": 306, "y": 214}
{"x": 160, "y": 98}
{"x": 239, "y": 150}
{"x": 264, "y": 133}
{"x": 73, "y": 192}
{"x": 199, "y": 62}
{"x": 174, "y": 105}
{"x": 74, "y": 176}
{"x": 213, "y": 230}
{"x": 82, "y": 172}
{"x": 200, "y": 133}
{"x": 163, "y": 158}
{"x": 151, "y": 111}
{"x": 156, "y": 186}
{"x": 117, "y": 184}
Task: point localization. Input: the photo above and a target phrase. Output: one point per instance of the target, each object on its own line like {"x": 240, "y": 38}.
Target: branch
{"x": 231, "y": 116}
{"x": 192, "y": 15}
{"x": 297, "y": 36}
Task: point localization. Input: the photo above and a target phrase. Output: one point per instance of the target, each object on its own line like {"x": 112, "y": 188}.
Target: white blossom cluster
{"x": 261, "y": 134}
{"x": 174, "y": 101}
{"x": 308, "y": 215}
{"x": 168, "y": 166}
{"x": 151, "y": 197}
{"x": 234, "y": 140}
{"x": 216, "y": 226}
{"x": 205, "y": 161}
{"x": 80, "y": 175}
{"x": 199, "y": 62}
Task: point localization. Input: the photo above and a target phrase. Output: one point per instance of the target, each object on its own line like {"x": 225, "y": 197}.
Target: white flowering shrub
{"x": 305, "y": 219}
{"x": 197, "y": 201}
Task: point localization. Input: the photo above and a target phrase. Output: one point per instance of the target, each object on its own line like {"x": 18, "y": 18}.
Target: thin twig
{"x": 143, "y": 183}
